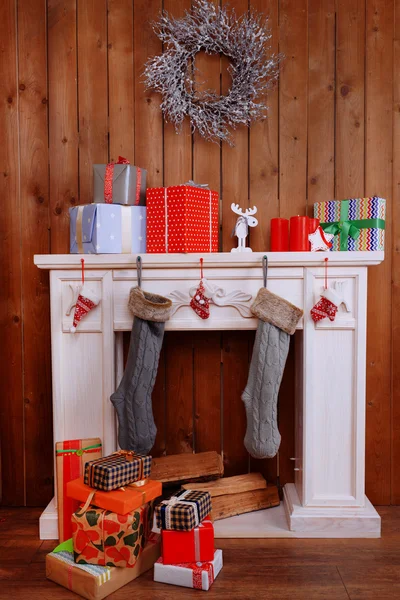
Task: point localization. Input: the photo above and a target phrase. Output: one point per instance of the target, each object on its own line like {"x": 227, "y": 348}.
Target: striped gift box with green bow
{"x": 357, "y": 223}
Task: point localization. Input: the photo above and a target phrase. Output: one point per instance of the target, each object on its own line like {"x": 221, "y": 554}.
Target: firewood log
{"x": 237, "y": 504}
{"x": 181, "y": 468}
{"x": 230, "y": 485}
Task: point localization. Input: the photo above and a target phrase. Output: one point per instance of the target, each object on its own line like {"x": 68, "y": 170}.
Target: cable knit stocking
{"x": 132, "y": 400}
{"x": 260, "y": 396}
{"x": 277, "y": 321}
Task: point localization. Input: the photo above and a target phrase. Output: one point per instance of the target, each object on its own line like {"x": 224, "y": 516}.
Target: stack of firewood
{"x": 204, "y": 471}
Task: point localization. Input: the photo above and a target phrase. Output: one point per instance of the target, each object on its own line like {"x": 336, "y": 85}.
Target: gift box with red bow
{"x": 119, "y": 183}
{"x": 71, "y": 457}
{"x": 182, "y": 218}
{"x": 188, "y": 546}
{"x": 199, "y": 576}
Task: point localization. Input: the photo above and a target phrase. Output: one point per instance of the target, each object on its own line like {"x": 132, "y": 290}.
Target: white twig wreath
{"x": 244, "y": 40}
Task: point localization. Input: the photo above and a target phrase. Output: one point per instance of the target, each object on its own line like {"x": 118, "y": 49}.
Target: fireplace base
{"x": 289, "y": 520}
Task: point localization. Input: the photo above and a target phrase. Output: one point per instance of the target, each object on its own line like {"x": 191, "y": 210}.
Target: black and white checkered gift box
{"x": 183, "y": 511}
{"x": 115, "y": 471}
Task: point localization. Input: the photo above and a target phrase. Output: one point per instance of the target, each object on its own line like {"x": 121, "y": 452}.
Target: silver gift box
{"x": 129, "y": 185}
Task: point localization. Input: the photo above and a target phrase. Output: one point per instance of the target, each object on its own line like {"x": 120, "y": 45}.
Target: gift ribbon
{"x": 108, "y": 178}
{"x": 197, "y": 540}
{"x": 167, "y": 506}
{"x": 166, "y": 218}
{"x": 191, "y": 183}
{"x": 79, "y": 229}
{"x": 198, "y": 568}
{"x": 197, "y": 577}
{"x": 79, "y": 451}
{"x": 70, "y": 567}
{"x": 126, "y": 229}
{"x": 346, "y": 228}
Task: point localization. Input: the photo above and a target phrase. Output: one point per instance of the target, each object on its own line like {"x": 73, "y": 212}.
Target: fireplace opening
{"x": 197, "y": 400}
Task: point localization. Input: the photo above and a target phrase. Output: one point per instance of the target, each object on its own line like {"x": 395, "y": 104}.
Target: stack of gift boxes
{"x": 116, "y": 221}
{"x": 109, "y": 512}
{"x": 188, "y": 558}
{"x": 127, "y": 218}
{"x": 111, "y": 530}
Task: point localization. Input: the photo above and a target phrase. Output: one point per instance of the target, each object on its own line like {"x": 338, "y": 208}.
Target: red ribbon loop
{"x": 108, "y": 180}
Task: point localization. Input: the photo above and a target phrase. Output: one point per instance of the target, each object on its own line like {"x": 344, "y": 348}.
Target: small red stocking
{"x": 326, "y": 307}
{"x": 86, "y": 301}
{"x": 200, "y": 303}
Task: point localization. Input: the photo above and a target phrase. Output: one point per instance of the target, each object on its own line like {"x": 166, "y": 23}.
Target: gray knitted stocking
{"x": 132, "y": 400}
{"x": 260, "y": 396}
{"x": 277, "y": 321}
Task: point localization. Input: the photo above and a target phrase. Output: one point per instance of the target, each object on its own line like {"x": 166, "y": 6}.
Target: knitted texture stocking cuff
{"x": 149, "y": 307}
{"x": 276, "y": 310}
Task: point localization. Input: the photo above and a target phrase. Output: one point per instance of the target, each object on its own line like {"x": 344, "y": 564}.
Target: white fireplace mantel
{"x": 327, "y": 498}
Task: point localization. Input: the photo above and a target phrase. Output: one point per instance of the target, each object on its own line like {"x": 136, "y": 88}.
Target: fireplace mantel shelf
{"x": 327, "y": 497}
{"x": 211, "y": 260}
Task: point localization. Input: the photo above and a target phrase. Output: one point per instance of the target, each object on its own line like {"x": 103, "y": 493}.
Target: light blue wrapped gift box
{"x": 107, "y": 229}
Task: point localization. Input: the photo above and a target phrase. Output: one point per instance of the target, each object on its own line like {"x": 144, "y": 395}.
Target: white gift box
{"x": 192, "y": 575}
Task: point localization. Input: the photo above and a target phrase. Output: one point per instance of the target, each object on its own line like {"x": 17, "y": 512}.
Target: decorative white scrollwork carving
{"x": 217, "y": 295}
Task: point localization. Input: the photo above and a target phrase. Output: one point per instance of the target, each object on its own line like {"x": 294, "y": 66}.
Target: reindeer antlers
{"x": 251, "y": 211}
{"x": 237, "y": 210}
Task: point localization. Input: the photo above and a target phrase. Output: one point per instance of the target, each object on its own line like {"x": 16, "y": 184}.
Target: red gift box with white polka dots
{"x": 182, "y": 218}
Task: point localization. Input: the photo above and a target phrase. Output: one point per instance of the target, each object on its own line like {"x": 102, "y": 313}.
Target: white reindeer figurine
{"x": 244, "y": 221}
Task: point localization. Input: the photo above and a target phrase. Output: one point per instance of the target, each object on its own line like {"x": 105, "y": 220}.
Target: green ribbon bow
{"x": 78, "y": 451}
{"x": 346, "y": 228}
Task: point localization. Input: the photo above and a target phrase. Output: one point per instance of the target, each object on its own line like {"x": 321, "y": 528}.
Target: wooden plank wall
{"x": 71, "y": 94}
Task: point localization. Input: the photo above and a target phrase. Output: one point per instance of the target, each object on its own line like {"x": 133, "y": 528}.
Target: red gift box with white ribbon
{"x": 182, "y": 218}
{"x": 196, "y": 545}
{"x": 199, "y": 575}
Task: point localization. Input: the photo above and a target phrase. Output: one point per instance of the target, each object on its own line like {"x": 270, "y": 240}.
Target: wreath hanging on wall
{"x": 244, "y": 40}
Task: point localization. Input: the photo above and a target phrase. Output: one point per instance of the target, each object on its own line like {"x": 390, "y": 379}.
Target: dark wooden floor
{"x": 253, "y": 569}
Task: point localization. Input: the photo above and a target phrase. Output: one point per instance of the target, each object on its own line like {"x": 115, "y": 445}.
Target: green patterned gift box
{"x": 357, "y": 223}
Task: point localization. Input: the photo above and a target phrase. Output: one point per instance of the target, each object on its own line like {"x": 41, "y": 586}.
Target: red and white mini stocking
{"x": 326, "y": 307}
{"x": 200, "y": 303}
{"x": 87, "y": 300}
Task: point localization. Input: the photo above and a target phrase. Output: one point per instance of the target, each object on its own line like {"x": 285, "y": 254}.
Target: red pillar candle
{"x": 279, "y": 235}
{"x": 312, "y": 227}
{"x": 299, "y": 234}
